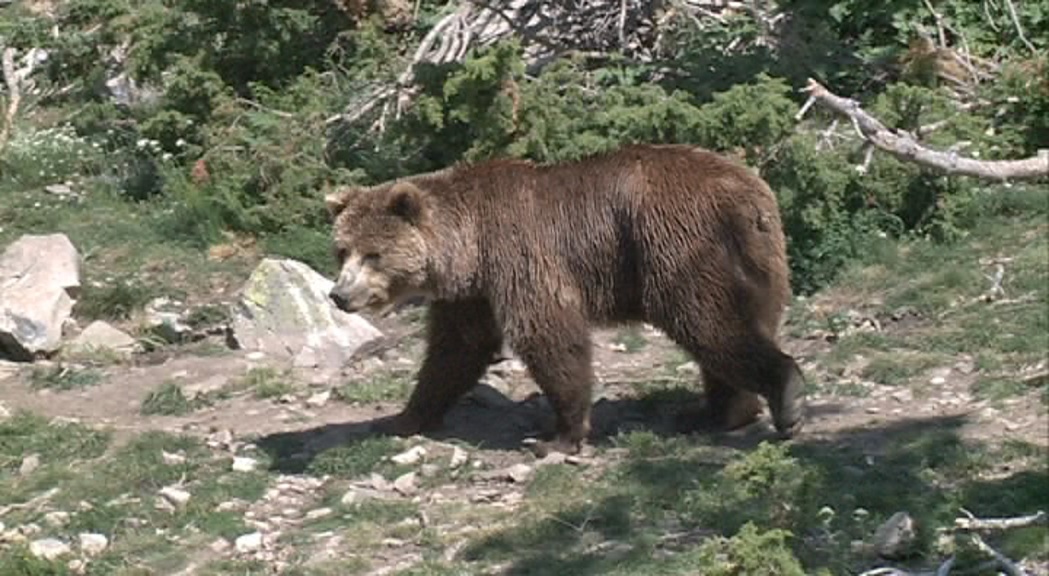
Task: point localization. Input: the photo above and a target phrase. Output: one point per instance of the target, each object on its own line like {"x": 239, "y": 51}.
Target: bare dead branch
{"x": 1007, "y": 565}
{"x": 972, "y": 523}
{"x": 14, "y": 95}
{"x": 904, "y": 147}
{"x": 1016, "y": 24}
{"x": 939, "y": 23}
{"x": 987, "y": 15}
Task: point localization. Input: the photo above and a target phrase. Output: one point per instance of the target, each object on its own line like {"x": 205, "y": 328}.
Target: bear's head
{"x": 379, "y": 237}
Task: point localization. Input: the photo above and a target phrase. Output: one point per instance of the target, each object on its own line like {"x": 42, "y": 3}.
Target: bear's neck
{"x": 454, "y": 257}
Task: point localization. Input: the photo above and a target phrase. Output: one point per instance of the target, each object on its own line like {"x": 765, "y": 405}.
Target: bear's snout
{"x": 339, "y": 299}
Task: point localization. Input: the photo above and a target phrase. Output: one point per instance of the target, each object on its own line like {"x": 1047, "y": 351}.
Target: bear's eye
{"x": 340, "y": 254}
{"x": 371, "y": 258}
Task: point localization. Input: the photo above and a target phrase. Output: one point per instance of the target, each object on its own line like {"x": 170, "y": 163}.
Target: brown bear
{"x": 676, "y": 236}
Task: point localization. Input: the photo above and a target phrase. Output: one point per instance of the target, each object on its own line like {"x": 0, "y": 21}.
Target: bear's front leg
{"x": 461, "y": 339}
{"x": 556, "y": 349}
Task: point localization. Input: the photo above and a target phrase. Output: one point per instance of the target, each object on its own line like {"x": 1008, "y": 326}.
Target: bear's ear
{"x": 336, "y": 202}
{"x": 406, "y": 201}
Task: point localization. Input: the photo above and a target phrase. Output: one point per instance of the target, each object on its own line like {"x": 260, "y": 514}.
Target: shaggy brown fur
{"x": 682, "y": 238}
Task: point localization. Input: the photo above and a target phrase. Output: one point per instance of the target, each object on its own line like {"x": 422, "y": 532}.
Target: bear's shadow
{"x": 487, "y": 419}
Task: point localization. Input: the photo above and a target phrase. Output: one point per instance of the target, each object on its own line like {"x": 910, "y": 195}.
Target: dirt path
{"x": 509, "y": 408}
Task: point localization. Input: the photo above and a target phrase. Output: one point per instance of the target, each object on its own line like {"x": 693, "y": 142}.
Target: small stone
{"x": 873, "y": 409}
{"x": 244, "y": 464}
{"x": 227, "y": 506}
{"x": 688, "y": 368}
{"x": 92, "y": 544}
{"x": 57, "y": 518}
{"x": 30, "y": 529}
{"x": 175, "y": 495}
{"x": 519, "y": 473}
{"x": 48, "y": 548}
{"x": 552, "y": 458}
{"x": 100, "y": 335}
{"x": 318, "y": 513}
{"x": 29, "y": 464}
{"x": 377, "y": 482}
{"x": 894, "y": 538}
{"x": 405, "y": 484}
{"x": 58, "y": 189}
{"x": 965, "y": 366}
{"x": 937, "y": 380}
{"x": 459, "y": 457}
{"x": 319, "y": 399}
{"x": 429, "y": 470}
{"x": 410, "y": 456}
{"x": 255, "y": 356}
{"x": 903, "y": 396}
{"x": 349, "y": 498}
{"x": 248, "y": 542}
{"x": 219, "y": 546}
{"x": 220, "y": 439}
{"x": 172, "y": 459}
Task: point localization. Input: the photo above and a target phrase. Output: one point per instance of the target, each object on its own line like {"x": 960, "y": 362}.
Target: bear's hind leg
{"x": 725, "y": 407}
{"x": 748, "y": 365}
{"x": 462, "y": 338}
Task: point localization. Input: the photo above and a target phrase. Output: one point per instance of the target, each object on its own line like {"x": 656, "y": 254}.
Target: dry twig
{"x": 14, "y": 95}
{"x": 904, "y": 147}
{"x": 1016, "y": 24}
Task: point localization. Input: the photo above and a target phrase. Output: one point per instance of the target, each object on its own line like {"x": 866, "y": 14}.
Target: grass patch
{"x": 117, "y": 494}
{"x": 63, "y": 377}
{"x": 169, "y": 400}
{"x": 384, "y": 386}
{"x": 356, "y": 459}
{"x": 899, "y": 368}
{"x": 116, "y": 300}
{"x": 17, "y": 560}
{"x": 263, "y": 382}
{"x": 56, "y": 444}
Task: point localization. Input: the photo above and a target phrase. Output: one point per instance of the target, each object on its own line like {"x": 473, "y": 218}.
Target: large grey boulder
{"x": 284, "y": 311}
{"x": 39, "y": 284}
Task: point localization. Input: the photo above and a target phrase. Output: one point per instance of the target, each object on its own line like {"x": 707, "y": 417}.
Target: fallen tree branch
{"x": 904, "y": 147}
{"x": 1016, "y": 24}
{"x": 1007, "y": 565}
{"x": 14, "y": 95}
{"x": 972, "y": 523}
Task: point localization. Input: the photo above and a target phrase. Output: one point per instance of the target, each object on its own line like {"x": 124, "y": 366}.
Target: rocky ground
{"x": 195, "y": 458}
